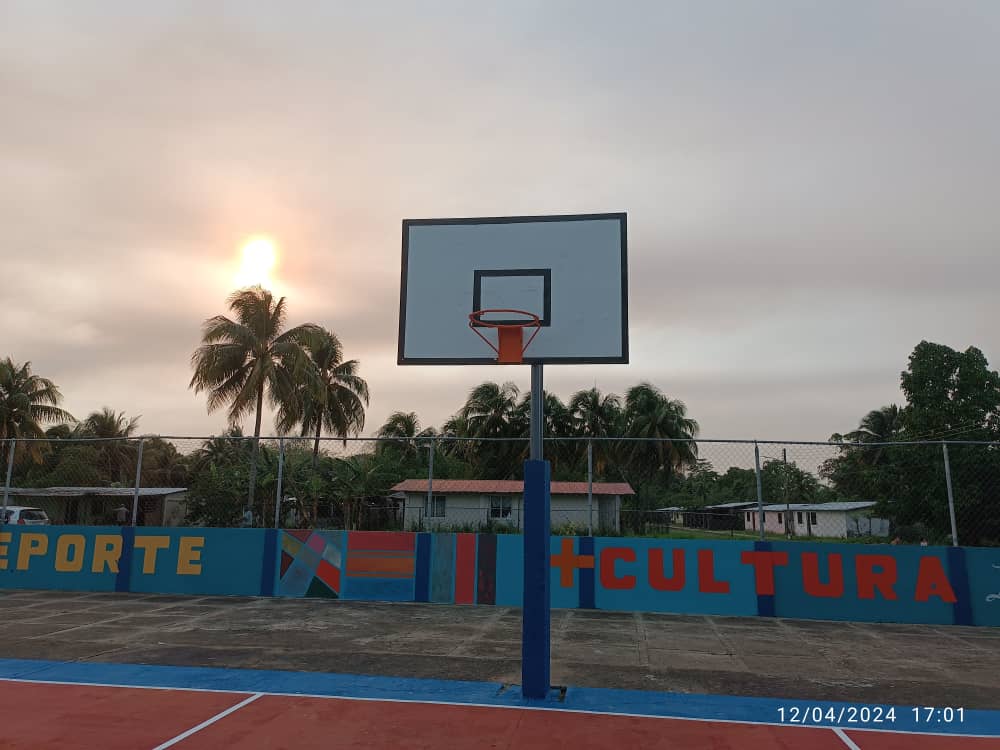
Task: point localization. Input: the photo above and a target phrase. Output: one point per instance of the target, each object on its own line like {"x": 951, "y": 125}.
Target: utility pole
{"x": 788, "y": 507}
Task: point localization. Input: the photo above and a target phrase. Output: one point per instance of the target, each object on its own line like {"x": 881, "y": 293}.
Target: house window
{"x": 435, "y": 507}
{"x": 500, "y": 506}
{"x": 779, "y": 518}
{"x": 748, "y": 516}
{"x": 763, "y": 517}
{"x": 812, "y": 518}
{"x": 799, "y": 514}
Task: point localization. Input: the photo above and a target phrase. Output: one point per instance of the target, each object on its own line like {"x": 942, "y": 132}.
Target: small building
{"x": 673, "y": 515}
{"x": 719, "y": 517}
{"x": 474, "y": 503}
{"x": 96, "y": 506}
{"x": 837, "y": 519}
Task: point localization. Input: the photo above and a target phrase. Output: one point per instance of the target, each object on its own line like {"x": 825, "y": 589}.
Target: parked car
{"x": 22, "y": 516}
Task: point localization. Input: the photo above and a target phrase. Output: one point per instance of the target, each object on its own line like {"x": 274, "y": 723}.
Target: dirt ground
{"x": 815, "y": 660}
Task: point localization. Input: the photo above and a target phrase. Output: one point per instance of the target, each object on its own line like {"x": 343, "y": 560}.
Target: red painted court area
{"x": 46, "y": 715}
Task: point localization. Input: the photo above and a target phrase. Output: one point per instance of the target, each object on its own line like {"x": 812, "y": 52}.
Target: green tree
{"x": 493, "y": 416}
{"x": 949, "y": 395}
{"x": 662, "y": 435}
{"x": 242, "y": 360}
{"x": 401, "y": 433}
{"x": 112, "y": 432}
{"x": 360, "y": 479}
{"x": 332, "y": 400}
{"x": 28, "y": 401}
{"x": 599, "y": 416}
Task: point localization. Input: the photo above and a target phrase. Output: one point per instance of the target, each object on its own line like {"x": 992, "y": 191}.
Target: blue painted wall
{"x": 942, "y": 585}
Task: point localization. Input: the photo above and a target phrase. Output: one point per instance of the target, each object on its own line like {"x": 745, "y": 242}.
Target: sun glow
{"x": 259, "y": 258}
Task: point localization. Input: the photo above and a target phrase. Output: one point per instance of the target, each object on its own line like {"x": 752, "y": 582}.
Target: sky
{"x": 811, "y": 187}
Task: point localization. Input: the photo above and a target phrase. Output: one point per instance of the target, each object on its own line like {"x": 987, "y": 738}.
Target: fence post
{"x": 590, "y": 488}
{"x": 429, "y": 508}
{"x": 6, "y": 485}
{"x": 760, "y": 488}
{"x": 138, "y": 481}
{"x": 951, "y": 495}
{"x": 281, "y": 469}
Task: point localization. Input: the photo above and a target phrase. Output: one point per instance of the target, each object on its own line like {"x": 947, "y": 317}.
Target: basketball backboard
{"x": 570, "y": 271}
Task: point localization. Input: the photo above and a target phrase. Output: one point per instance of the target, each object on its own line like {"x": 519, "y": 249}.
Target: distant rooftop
{"x": 837, "y": 506}
{"x": 98, "y": 491}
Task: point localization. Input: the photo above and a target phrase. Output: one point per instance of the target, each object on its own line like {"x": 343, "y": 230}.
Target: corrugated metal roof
{"x": 508, "y": 487}
{"x": 100, "y": 491}
{"x": 742, "y": 504}
{"x": 835, "y": 506}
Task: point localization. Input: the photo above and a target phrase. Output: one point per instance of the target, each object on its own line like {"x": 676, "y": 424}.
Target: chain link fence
{"x": 903, "y": 492}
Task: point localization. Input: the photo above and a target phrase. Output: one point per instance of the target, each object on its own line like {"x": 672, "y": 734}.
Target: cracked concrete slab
{"x": 814, "y": 660}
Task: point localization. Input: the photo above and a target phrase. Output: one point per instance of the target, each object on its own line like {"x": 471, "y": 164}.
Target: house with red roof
{"x": 474, "y": 503}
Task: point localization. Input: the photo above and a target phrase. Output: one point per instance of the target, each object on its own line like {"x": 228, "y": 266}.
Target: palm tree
{"x": 218, "y": 450}
{"x": 334, "y": 399}
{"x": 360, "y": 478}
{"x": 597, "y": 415}
{"x": 241, "y": 360}
{"x": 493, "y": 416}
{"x": 400, "y": 424}
{"x": 28, "y": 401}
{"x": 877, "y": 426}
{"x": 883, "y": 425}
{"x": 491, "y": 411}
{"x": 113, "y": 429}
{"x": 666, "y": 433}
{"x": 402, "y": 429}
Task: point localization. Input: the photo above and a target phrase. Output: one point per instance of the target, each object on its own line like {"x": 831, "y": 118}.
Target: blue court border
{"x": 591, "y": 700}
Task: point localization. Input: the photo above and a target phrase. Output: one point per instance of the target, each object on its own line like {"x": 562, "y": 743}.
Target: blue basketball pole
{"x": 536, "y": 615}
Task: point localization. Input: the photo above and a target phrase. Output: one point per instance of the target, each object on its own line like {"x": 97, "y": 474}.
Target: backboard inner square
{"x": 512, "y": 293}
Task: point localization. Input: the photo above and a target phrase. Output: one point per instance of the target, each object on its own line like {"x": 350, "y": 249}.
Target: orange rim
{"x": 531, "y": 321}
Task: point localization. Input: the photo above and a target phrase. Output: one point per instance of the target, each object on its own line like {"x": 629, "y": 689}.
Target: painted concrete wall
{"x": 787, "y": 579}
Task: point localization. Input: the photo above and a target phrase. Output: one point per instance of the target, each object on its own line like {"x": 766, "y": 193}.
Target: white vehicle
{"x": 22, "y": 516}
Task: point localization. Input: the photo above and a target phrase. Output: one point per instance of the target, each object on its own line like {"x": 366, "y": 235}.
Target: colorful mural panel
{"x": 940, "y": 585}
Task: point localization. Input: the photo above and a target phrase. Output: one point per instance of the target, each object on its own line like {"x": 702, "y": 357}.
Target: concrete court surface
{"x": 766, "y": 657}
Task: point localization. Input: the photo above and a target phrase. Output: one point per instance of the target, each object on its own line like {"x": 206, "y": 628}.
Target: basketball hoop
{"x": 510, "y": 346}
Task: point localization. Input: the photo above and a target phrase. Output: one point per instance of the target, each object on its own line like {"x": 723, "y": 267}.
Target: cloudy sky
{"x": 811, "y": 186}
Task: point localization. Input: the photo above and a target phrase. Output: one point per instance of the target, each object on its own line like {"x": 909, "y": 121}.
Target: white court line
{"x": 846, "y": 740}
{"x": 209, "y": 722}
{"x": 507, "y": 707}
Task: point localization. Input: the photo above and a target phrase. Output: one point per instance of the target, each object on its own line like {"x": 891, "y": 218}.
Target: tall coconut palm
{"x": 490, "y": 411}
{"x": 27, "y": 401}
{"x": 403, "y": 425}
{"x": 402, "y": 430}
{"x": 666, "y": 432}
{"x": 493, "y": 416}
{"x": 878, "y": 426}
{"x": 595, "y": 414}
{"x": 333, "y": 399}
{"x": 243, "y": 359}
{"x": 600, "y": 416}
{"x": 883, "y": 425}
{"x": 113, "y": 430}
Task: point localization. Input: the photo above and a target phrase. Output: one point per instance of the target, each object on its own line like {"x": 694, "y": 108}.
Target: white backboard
{"x": 571, "y": 271}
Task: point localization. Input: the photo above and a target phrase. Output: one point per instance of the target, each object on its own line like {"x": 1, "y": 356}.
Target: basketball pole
{"x": 535, "y": 613}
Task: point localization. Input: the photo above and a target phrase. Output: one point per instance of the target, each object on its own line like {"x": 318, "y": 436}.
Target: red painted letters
{"x": 706, "y": 574}
{"x": 834, "y": 588}
{"x": 763, "y": 568}
{"x": 870, "y": 579}
{"x": 656, "y": 578}
{"x": 608, "y": 558}
{"x": 932, "y": 581}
